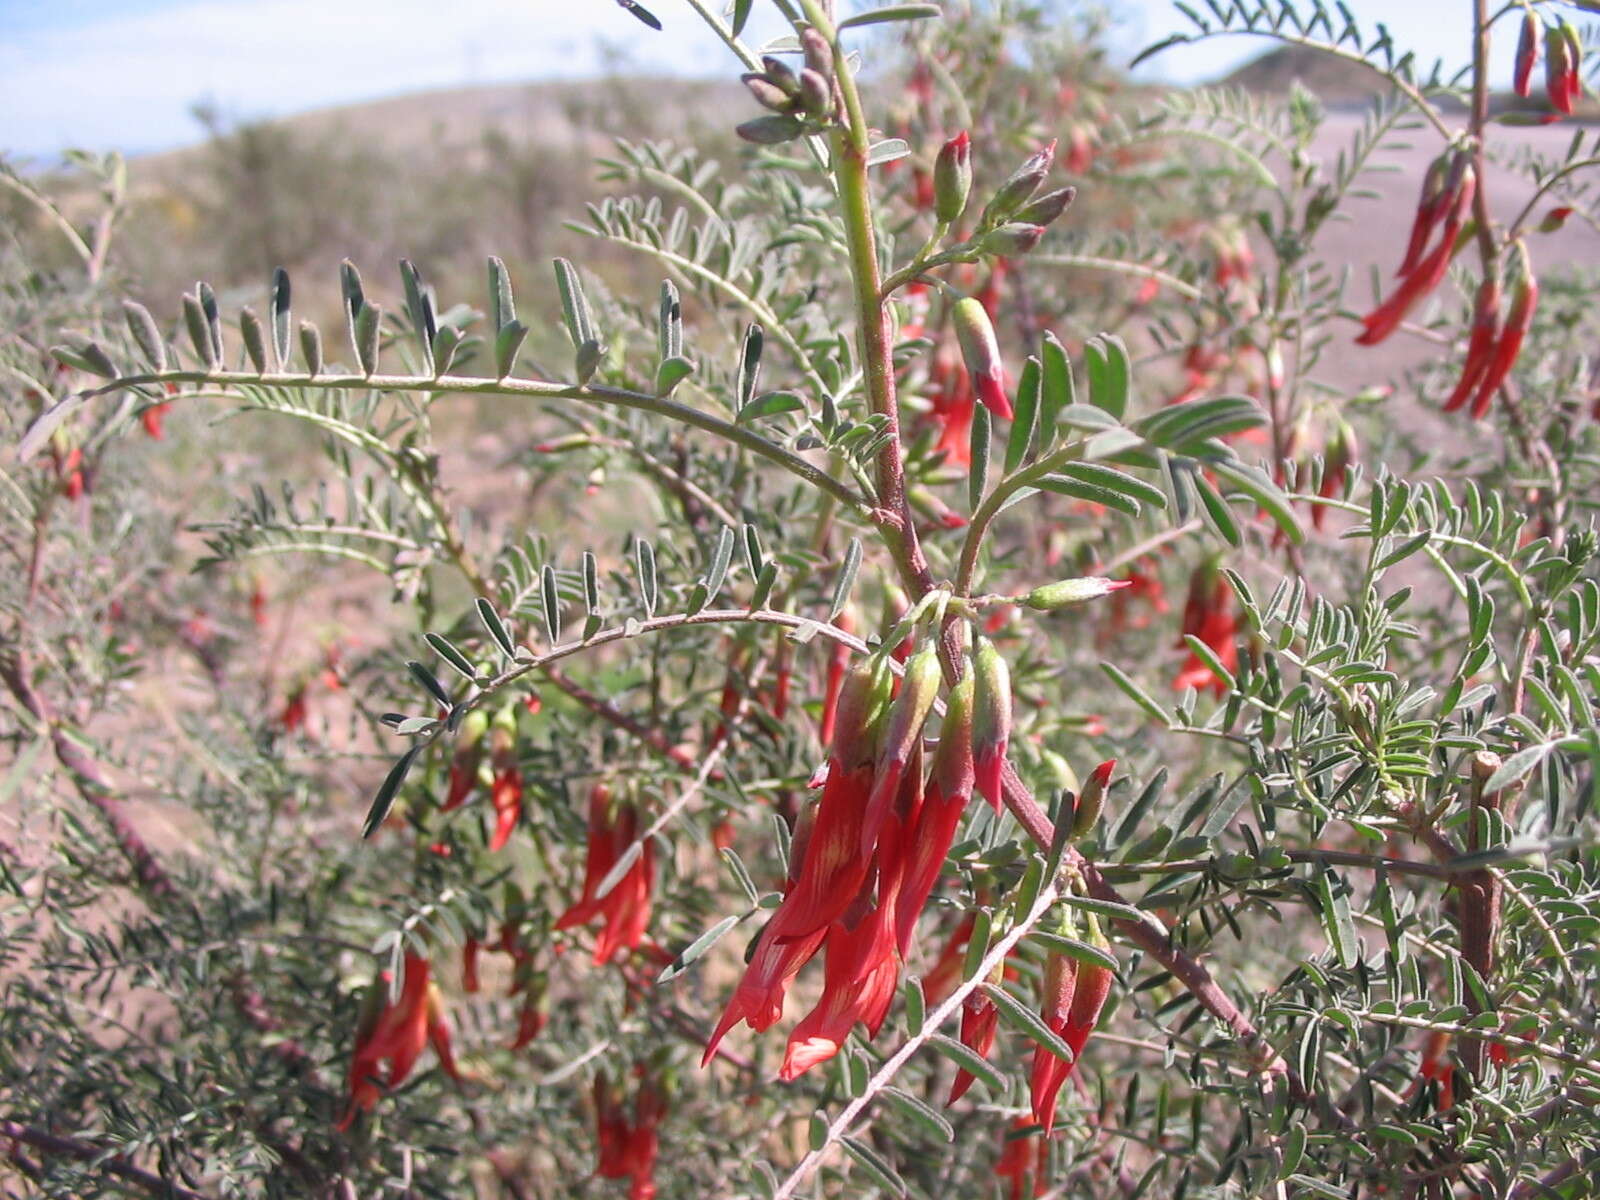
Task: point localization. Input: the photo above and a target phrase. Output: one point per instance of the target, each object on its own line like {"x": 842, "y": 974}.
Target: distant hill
{"x": 1340, "y": 83}
{"x": 568, "y": 115}
{"x": 1337, "y": 82}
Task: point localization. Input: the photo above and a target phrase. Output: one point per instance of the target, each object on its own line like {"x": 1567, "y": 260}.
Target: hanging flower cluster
{"x": 864, "y": 859}
{"x": 396, "y": 1031}
{"x": 1445, "y": 204}
{"x": 627, "y": 1146}
{"x": 625, "y": 908}
{"x": 1496, "y": 341}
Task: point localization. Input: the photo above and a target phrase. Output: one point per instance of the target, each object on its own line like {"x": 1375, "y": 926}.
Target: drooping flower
{"x": 626, "y": 1148}
{"x": 625, "y": 908}
{"x": 1508, "y": 343}
{"x": 388, "y": 1031}
{"x": 467, "y": 759}
{"x": 1074, "y": 995}
{"x": 506, "y": 792}
{"x": 1382, "y": 321}
{"x": 1208, "y": 616}
{"x": 1527, "y": 54}
{"x": 1022, "y": 1157}
{"x": 981, "y": 351}
{"x": 979, "y": 1024}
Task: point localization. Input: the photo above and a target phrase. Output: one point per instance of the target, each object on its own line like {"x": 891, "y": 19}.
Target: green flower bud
{"x": 1051, "y": 597}
{"x": 1020, "y": 187}
{"x": 952, "y": 178}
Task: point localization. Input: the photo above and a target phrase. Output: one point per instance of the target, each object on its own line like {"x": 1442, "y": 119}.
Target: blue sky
{"x": 123, "y": 73}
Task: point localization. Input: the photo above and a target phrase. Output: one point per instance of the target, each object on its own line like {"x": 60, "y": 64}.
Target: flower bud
{"x": 1527, "y": 53}
{"x": 951, "y": 773}
{"x": 1051, "y": 597}
{"x": 991, "y": 719}
{"x": 1011, "y": 240}
{"x": 982, "y": 355}
{"x": 816, "y": 93}
{"x": 1020, "y": 187}
{"x": 819, "y": 54}
{"x": 767, "y": 93}
{"x": 1557, "y": 67}
{"x": 1048, "y": 207}
{"x": 781, "y": 75}
{"x": 1574, "y": 44}
{"x": 1555, "y": 218}
{"x": 1060, "y": 981}
{"x": 952, "y": 178}
{"x": 1087, "y": 811}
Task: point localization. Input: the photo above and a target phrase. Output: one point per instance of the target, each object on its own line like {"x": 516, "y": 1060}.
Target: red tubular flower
{"x": 1560, "y": 72}
{"x": 834, "y": 866}
{"x": 1074, "y": 995}
{"x": 1385, "y": 319}
{"x": 151, "y": 420}
{"x": 1050, "y": 1072}
{"x": 991, "y": 719}
{"x": 506, "y": 793}
{"x": 468, "y": 757}
{"x": 1208, "y": 615}
{"x": 295, "y": 710}
{"x": 1480, "y": 346}
{"x": 979, "y": 1023}
{"x": 531, "y": 1019}
{"x": 1574, "y": 45}
{"x": 611, "y": 1130}
{"x": 439, "y": 1036}
{"x": 396, "y": 1033}
{"x": 950, "y": 393}
{"x": 258, "y": 605}
{"x": 469, "y": 965}
{"x": 981, "y": 351}
{"x": 626, "y": 907}
{"x": 758, "y": 1000}
{"x": 507, "y": 797}
{"x": 1509, "y": 344}
{"x": 1435, "y": 1067}
{"x": 858, "y": 985}
{"x": 1527, "y": 54}
{"x": 949, "y": 788}
{"x": 643, "y": 1143}
{"x": 1431, "y": 204}
{"x": 862, "y": 966}
{"x": 627, "y": 1149}
{"x": 838, "y": 660}
{"x": 1023, "y": 1156}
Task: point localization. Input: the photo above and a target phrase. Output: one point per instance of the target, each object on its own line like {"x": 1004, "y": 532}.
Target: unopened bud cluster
{"x": 800, "y": 101}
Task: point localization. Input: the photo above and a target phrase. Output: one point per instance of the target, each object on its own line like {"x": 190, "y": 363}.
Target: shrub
{"x": 983, "y": 611}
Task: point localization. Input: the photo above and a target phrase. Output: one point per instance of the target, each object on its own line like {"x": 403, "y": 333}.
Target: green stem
{"x": 851, "y": 142}
{"x": 996, "y": 500}
{"x": 615, "y": 397}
